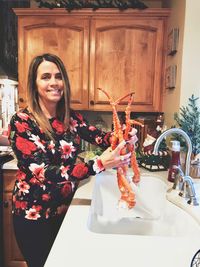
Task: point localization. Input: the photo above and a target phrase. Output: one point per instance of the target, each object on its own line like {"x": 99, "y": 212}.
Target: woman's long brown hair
{"x": 63, "y": 106}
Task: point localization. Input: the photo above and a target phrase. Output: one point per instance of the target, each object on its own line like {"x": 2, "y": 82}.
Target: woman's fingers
{"x": 113, "y": 158}
{"x": 125, "y": 157}
{"x": 121, "y": 145}
{"x": 133, "y": 132}
{"x": 124, "y": 162}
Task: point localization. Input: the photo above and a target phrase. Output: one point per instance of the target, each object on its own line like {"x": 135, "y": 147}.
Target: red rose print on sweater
{"x": 58, "y": 126}
{"x": 20, "y": 175}
{"x": 66, "y": 189}
{"x": 79, "y": 116}
{"x": 21, "y": 204}
{"x": 22, "y": 127}
{"x": 25, "y": 146}
{"x": 46, "y": 197}
{"x": 80, "y": 170}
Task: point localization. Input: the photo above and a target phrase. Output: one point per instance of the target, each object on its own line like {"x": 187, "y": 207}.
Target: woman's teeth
{"x": 54, "y": 90}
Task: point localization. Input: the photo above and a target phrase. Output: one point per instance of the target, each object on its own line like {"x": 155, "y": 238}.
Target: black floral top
{"x": 48, "y": 174}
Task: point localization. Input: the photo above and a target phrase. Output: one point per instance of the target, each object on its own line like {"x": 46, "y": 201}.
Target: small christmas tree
{"x": 188, "y": 120}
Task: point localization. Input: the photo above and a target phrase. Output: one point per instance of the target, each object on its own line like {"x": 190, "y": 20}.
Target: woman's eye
{"x": 45, "y": 77}
{"x": 58, "y": 76}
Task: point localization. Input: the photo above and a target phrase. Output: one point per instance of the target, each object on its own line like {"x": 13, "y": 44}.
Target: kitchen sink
{"x": 153, "y": 214}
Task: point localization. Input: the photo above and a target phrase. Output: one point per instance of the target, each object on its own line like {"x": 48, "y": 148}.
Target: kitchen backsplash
{"x": 103, "y": 120}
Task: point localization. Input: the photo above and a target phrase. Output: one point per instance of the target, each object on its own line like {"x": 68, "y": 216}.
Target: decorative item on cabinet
{"x": 172, "y": 42}
{"x": 170, "y": 78}
{"x": 94, "y": 4}
{"x": 147, "y": 159}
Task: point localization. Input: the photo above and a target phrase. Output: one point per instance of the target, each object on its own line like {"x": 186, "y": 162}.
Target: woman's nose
{"x": 53, "y": 80}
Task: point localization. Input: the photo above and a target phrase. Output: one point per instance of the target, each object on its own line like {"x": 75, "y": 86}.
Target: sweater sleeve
{"x": 35, "y": 157}
{"x": 89, "y": 132}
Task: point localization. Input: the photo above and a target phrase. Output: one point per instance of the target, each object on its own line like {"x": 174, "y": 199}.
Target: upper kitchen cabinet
{"x": 119, "y": 51}
{"x": 65, "y": 36}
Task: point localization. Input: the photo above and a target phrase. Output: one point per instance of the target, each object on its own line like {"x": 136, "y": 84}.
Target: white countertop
{"x": 10, "y": 165}
{"x": 77, "y": 246}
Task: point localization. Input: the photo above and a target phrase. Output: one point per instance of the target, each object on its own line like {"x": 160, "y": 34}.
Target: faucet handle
{"x": 188, "y": 191}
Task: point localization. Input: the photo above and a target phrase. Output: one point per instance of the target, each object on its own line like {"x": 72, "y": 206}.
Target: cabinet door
{"x": 127, "y": 55}
{"x": 12, "y": 254}
{"x": 60, "y": 35}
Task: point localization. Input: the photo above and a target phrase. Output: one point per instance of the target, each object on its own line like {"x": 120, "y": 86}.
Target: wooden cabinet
{"x": 117, "y": 51}
{"x": 64, "y": 36}
{"x": 12, "y": 254}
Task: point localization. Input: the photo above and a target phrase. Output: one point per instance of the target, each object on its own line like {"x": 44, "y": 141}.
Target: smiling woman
{"x": 45, "y": 138}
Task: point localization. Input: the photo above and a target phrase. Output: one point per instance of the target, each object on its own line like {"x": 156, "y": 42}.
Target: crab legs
{"x": 121, "y": 133}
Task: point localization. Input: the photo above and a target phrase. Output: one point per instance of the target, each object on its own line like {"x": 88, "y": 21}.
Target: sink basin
{"x": 153, "y": 214}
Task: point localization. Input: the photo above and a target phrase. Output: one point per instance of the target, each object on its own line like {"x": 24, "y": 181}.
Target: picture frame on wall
{"x": 172, "y": 42}
{"x": 170, "y": 79}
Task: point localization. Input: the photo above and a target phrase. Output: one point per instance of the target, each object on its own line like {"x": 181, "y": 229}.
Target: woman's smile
{"x": 54, "y": 91}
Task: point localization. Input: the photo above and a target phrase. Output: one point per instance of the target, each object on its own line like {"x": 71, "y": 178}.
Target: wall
{"x": 191, "y": 52}
{"x": 185, "y": 15}
{"x": 171, "y": 99}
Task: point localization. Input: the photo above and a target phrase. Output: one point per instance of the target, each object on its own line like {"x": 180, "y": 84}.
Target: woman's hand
{"x": 112, "y": 158}
{"x": 133, "y": 137}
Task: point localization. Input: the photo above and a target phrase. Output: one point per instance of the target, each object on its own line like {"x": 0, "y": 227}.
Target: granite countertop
{"x": 77, "y": 246}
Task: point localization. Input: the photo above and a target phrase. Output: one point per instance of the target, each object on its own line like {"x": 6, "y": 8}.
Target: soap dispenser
{"x": 175, "y": 160}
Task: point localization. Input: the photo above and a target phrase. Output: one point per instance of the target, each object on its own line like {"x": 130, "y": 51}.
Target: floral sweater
{"x": 48, "y": 175}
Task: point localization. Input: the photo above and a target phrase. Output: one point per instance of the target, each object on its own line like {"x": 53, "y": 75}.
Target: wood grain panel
{"x": 65, "y": 40}
{"x": 127, "y": 58}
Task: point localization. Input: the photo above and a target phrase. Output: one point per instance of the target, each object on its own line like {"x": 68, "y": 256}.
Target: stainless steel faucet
{"x": 188, "y": 141}
{"x": 187, "y": 186}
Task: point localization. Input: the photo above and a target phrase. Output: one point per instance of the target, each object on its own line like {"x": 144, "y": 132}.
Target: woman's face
{"x": 49, "y": 83}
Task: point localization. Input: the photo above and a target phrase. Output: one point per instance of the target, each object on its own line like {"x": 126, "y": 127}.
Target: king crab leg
{"x": 127, "y": 194}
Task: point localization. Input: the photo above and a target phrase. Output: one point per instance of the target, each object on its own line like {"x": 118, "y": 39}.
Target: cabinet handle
{"x": 21, "y": 100}
{"x": 5, "y": 204}
{"x": 92, "y": 102}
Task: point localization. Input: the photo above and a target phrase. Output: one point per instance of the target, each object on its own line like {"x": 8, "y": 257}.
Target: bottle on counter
{"x": 175, "y": 160}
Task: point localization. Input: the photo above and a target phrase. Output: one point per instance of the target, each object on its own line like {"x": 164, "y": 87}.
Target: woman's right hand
{"x": 112, "y": 158}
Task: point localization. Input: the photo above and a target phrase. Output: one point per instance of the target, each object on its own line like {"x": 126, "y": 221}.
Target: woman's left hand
{"x": 112, "y": 158}
{"x": 133, "y": 139}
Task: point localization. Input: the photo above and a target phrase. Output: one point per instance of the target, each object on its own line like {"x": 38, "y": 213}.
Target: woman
{"x": 45, "y": 138}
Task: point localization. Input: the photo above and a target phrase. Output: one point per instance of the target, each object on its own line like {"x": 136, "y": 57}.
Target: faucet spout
{"x": 187, "y": 139}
